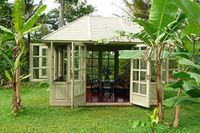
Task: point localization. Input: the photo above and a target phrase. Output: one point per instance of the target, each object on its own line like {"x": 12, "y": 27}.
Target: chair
{"x": 107, "y": 87}
{"x": 92, "y": 90}
{"x": 119, "y": 87}
{"x": 93, "y": 85}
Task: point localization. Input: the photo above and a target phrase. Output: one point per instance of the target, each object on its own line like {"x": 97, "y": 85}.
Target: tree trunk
{"x": 159, "y": 90}
{"x": 177, "y": 112}
{"x": 16, "y": 93}
{"x": 61, "y": 14}
{"x": 16, "y": 83}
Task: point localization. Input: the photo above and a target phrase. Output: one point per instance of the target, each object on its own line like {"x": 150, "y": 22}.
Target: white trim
{"x": 108, "y": 104}
{"x": 31, "y": 62}
{"x": 148, "y": 86}
{"x": 139, "y": 94}
{"x": 72, "y": 75}
{"x": 131, "y": 83}
{"x": 50, "y": 62}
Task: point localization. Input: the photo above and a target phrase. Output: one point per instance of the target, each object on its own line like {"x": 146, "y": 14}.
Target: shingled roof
{"x": 92, "y": 28}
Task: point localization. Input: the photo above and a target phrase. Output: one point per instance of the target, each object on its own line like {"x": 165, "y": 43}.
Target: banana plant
{"x": 10, "y": 73}
{"x": 188, "y": 81}
{"x": 191, "y": 9}
{"x": 17, "y": 34}
{"x": 152, "y": 122}
{"x": 188, "y": 76}
{"x": 164, "y": 21}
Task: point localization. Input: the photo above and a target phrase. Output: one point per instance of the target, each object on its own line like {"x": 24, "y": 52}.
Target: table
{"x": 106, "y": 89}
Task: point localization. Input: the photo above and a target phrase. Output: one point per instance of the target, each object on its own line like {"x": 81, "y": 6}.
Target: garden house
{"x": 82, "y": 71}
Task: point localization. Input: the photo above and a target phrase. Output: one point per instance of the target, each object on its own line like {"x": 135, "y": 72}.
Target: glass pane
{"x": 164, "y": 64}
{"x": 88, "y": 78}
{"x": 143, "y": 76}
{"x": 105, "y": 62}
{"x": 35, "y": 74}
{"x": 143, "y": 64}
{"x": 153, "y": 77}
{"x": 136, "y": 64}
{"x": 89, "y": 62}
{"x": 44, "y": 62}
{"x": 35, "y": 62}
{"x": 143, "y": 48}
{"x": 44, "y": 51}
{"x": 76, "y": 51}
{"x": 135, "y": 75}
{"x": 173, "y": 64}
{"x": 65, "y": 66}
{"x": 94, "y": 76}
{"x": 76, "y": 63}
{"x": 95, "y": 62}
{"x": 136, "y": 48}
{"x": 76, "y": 75}
{"x": 65, "y": 53}
{"x": 143, "y": 88}
{"x": 111, "y": 77}
{"x": 95, "y": 54}
{"x": 164, "y": 75}
{"x": 89, "y": 70}
{"x": 44, "y": 72}
{"x": 105, "y": 54}
{"x": 170, "y": 75}
{"x": 112, "y": 54}
{"x": 95, "y": 70}
{"x": 82, "y": 50}
{"x": 135, "y": 87}
{"x": 111, "y": 62}
{"x": 36, "y": 50}
{"x": 124, "y": 67}
{"x": 89, "y": 54}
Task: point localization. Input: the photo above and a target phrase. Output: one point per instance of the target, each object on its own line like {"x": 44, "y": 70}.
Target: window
{"x": 108, "y": 64}
{"x": 92, "y": 64}
{"x": 172, "y": 66}
{"x": 139, "y": 74}
{"x": 39, "y": 62}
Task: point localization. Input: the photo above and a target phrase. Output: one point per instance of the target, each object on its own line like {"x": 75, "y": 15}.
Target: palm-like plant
{"x": 164, "y": 21}
{"x": 17, "y": 33}
{"x": 189, "y": 74}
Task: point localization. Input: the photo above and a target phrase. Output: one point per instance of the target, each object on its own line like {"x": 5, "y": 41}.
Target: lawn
{"x": 39, "y": 117}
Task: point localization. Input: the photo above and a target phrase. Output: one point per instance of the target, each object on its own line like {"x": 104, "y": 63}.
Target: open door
{"x": 38, "y": 62}
{"x": 140, "y": 83}
{"x": 43, "y": 62}
{"x": 78, "y": 73}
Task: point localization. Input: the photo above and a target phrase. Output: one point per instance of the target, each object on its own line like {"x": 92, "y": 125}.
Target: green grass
{"x": 39, "y": 117}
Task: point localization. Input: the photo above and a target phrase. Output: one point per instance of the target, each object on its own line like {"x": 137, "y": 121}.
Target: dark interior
{"x": 108, "y": 77}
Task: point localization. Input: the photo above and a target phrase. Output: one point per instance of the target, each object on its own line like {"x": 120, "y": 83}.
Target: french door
{"x": 140, "y": 82}
{"x": 38, "y": 62}
{"x": 78, "y": 73}
{"x": 43, "y": 62}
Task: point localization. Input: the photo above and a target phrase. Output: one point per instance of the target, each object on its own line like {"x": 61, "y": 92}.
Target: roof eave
{"x": 92, "y": 41}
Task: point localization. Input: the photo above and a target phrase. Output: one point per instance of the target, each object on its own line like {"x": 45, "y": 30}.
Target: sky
{"x": 103, "y": 7}
{"x": 107, "y": 7}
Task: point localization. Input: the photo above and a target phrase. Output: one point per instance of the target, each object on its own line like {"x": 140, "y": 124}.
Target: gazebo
{"x": 83, "y": 72}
